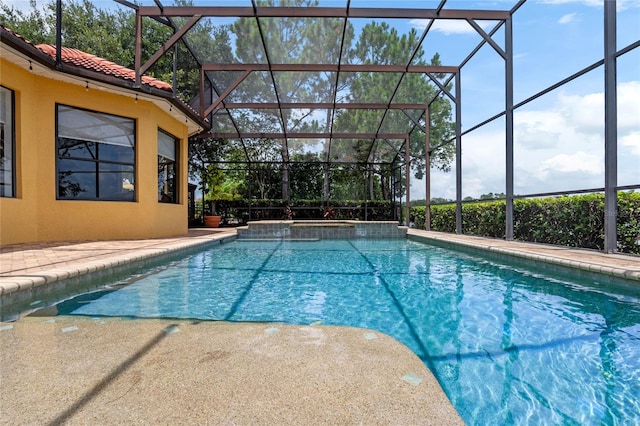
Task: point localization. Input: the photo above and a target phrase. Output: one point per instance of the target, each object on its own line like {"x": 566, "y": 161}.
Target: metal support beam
{"x": 610, "y": 129}
{"x": 407, "y": 179}
{"x": 427, "y": 169}
{"x": 323, "y": 105}
{"x": 488, "y": 38}
{"x": 226, "y": 93}
{"x": 174, "y": 77}
{"x": 59, "y": 33}
{"x": 322, "y": 12}
{"x": 442, "y": 87}
{"x": 169, "y": 43}
{"x": 201, "y": 93}
{"x": 138, "y": 53}
{"x": 508, "y": 63}
{"x": 326, "y": 184}
{"x": 415, "y": 122}
{"x": 413, "y": 69}
{"x": 399, "y": 136}
{"x": 458, "y": 156}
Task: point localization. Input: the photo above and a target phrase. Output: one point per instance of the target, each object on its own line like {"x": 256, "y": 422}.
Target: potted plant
{"x": 203, "y": 156}
{"x": 212, "y": 221}
{"x": 214, "y": 179}
{"x": 203, "y": 165}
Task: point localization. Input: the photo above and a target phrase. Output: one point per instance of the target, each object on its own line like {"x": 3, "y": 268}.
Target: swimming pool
{"x": 508, "y": 345}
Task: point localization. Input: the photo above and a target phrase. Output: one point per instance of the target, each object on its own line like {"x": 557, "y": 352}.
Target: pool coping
{"x": 619, "y": 266}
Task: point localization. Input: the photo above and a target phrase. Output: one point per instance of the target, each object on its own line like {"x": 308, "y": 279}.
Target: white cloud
{"x": 537, "y": 129}
{"x": 577, "y": 162}
{"x": 586, "y": 112}
{"x": 583, "y": 112}
{"x": 632, "y": 141}
{"x": 628, "y": 105}
{"x": 568, "y": 18}
{"x": 557, "y": 147}
{"x": 451, "y": 26}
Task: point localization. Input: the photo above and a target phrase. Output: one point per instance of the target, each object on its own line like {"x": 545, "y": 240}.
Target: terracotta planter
{"x": 212, "y": 221}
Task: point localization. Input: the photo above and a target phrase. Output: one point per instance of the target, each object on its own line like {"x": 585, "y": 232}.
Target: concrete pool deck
{"x": 108, "y": 372}
{"x": 114, "y": 371}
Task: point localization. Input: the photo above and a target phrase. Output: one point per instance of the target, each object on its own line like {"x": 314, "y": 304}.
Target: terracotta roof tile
{"x": 15, "y": 34}
{"x": 95, "y": 63}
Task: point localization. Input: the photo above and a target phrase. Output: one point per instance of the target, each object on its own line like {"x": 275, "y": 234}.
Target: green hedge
{"x": 574, "y": 221}
{"x": 304, "y": 209}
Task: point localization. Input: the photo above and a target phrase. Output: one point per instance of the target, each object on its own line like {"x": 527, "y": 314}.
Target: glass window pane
{"x": 76, "y": 179}
{"x": 166, "y": 180}
{"x": 96, "y": 155}
{"x": 167, "y": 168}
{"x": 75, "y": 123}
{"x": 7, "y": 186}
{"x": 116, "y": 182}
{"x": 76, "y": 149}
{"x": 120, "y": 154}
{"x": 166, "y": 146}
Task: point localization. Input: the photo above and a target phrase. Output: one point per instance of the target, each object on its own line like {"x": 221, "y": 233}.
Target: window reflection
{"x": 167, "y": 168}
{"x": 7, "y": 146}
{"x": 96, "y": 156}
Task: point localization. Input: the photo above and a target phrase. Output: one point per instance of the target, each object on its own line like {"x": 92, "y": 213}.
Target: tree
{"x": 492, "y": 196}
{"x": 201, "y": 154}
{"x": 291, "y": 40}
{"x": 209, "y": 44}
{"x": 438, "y": 200}
{"x": 264, "y": 171}
{"x": 381, "y": 44}
{"x": 34, "y": 26}
{"x": 306, "y": 176}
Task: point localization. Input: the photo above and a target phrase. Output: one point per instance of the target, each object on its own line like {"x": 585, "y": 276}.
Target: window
{"x": 7, "y": 144}
{"x": 167, "y": 168}
{"x": 95, "y": 155}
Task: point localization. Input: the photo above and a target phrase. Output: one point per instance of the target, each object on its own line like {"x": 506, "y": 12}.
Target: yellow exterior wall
{"x": 36, "y": 215}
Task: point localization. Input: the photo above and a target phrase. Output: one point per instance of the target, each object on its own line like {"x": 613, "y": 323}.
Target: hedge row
{"x": 574, "y": 221}
{"x": 304, "y": 209}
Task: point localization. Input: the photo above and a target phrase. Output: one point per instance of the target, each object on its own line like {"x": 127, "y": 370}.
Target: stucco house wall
{"x": 34, "y": 214}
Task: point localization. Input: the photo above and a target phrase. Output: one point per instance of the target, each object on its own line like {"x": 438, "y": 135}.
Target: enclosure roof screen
{"x": 340, "y": 79}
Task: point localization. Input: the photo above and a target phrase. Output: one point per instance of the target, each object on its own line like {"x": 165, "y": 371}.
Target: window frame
{"x": 97, "y": 161}
{"x": 12, "y": 142}
{"x": 176, "y": 168}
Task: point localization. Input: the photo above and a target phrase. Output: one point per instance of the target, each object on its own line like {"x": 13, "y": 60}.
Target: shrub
{"x": 574, "y": 221}
{"x": 305, "y": 209}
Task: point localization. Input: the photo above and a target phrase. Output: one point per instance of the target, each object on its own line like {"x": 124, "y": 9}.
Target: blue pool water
{"x": 508, "y": 345}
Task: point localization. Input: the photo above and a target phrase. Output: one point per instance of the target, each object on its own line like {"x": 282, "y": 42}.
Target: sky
{"x": 559, "y": 137}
